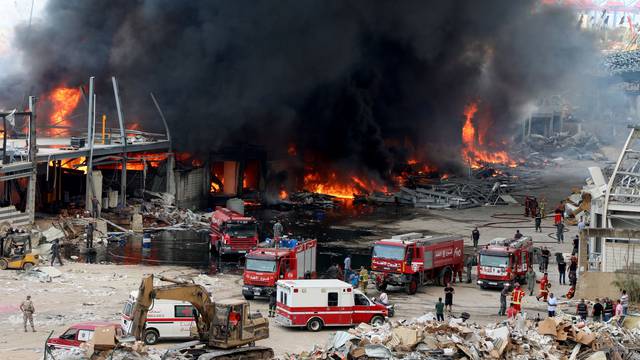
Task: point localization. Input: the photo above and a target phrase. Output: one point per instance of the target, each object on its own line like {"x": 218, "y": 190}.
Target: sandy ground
{"x": 98, "y": 292}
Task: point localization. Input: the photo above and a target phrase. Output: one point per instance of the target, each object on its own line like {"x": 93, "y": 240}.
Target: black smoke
{"x": 361, "y": 85}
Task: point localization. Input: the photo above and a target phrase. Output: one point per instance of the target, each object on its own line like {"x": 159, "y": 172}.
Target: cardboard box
{"x": 104, "y": 338}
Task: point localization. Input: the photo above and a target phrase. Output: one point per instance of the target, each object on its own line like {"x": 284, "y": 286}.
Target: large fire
{"x": 63, "y": 100}
{"x": 473, "y": 142}
{"x": 345, "y": 189}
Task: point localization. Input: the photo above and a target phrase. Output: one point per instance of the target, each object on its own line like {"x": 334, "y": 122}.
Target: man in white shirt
{"x": 552, "y": 303}
{"x": 384, "y": 299}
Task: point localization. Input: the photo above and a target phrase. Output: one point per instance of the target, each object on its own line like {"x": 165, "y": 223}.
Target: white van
{"x": 165, "y": 319}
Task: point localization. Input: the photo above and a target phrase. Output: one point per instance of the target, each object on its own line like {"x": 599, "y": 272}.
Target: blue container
{"x": 146, "y": 240}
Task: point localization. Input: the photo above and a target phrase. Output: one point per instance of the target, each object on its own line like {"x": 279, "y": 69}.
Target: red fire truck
{"x": 232, "y": 232}
{"x": 504, "y": 260}
{"x": 411, "y": 260}
{"x": 265, "y": 266}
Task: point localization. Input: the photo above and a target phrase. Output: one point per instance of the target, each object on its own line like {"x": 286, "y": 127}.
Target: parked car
{"x": 79, "y": 333}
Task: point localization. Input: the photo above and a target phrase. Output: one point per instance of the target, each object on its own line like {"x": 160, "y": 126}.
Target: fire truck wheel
{"x": 3, "y": 264}
{"x": 314, "y": 324}
{"x": 377, "y": 320}
{"x": 247, "y": 296}
{"x": 412, "y": 286}
{"x": 381, "y": 286}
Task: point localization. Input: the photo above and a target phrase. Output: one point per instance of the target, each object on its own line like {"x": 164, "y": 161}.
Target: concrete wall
{"x": 192, "y": 188}
{"x": 595, "y": 284}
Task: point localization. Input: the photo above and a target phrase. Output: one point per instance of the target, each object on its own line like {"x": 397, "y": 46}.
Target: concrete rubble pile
{"x": 580, "y": 146}
{"x": 423, "y": 338}
{"x": 159, "y": 212}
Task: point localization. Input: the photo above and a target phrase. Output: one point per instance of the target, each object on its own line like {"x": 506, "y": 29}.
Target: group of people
{"x": 605, "y": 309}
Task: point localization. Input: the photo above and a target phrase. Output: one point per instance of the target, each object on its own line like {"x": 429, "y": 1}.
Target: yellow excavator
{"x": 226, "y": 329}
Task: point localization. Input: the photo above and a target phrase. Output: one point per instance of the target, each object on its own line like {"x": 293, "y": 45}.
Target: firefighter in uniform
{"x": 544, "y": 288}
{"x": 364, "y": 279}
{"x": 516, "y": 297}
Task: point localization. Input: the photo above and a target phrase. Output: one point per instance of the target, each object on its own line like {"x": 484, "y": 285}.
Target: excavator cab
{"x": 233, "y": 325}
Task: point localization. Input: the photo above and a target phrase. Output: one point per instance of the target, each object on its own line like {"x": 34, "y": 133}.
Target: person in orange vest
{"x": 516, "y": 297}
{"x": 544, "y": 288}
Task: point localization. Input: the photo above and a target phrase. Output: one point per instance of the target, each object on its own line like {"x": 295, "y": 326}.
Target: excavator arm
{"x": 181, "y": 291}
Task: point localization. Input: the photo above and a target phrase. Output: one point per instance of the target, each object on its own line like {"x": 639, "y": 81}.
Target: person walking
{"x": 272, "y": 304}
{"x": 516, "y": 297}
{"x": 95, "y": 207}
{"x": 582, "y": 310}
{"x": 597, "y": 311}
{"x": 624, "y": 300}
{"x": 278, "y": 230}
{"x": 448, "y": 296}
{"x": 538, "y": 222}
{"x": 544, "y": 288}
{"x": 475, "y": 236}
{"x": 576, "y": 245}
{"x": 618, "y": 308}
{"x": 364, "y": 279}
{"x": 552, "y": 303}
{"x": 347, "y": 268}
{"x": 440, "y": 310}
{"x": 503, "y": 299}
{"x": 545, "y": 254}
{"x": 27, "y": 309}
{"x": 531, "y": 280}
{"x": 55, "y": 252}
{"x": 562, "y": 268}
{"x": 560, "y": 232}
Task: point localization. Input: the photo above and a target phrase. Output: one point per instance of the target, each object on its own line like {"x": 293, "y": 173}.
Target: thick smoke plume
{"x": 357, "y": 84}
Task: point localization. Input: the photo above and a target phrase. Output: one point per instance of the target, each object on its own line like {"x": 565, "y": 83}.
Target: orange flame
{"x": 471, "y": 153}
{"x": 342, "y": 189}
{"x": 64, "y": 100}
{"x": 283, "y": 194}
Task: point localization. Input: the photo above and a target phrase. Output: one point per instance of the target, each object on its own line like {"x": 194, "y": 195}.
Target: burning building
{"x": 344, "y": 97}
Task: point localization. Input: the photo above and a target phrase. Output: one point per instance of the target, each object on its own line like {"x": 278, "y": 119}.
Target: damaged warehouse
{"x": 319, "y": 180}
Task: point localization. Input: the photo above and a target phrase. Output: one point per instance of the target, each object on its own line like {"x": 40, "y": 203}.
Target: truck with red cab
{"x": 412, "y": 260}
{"x": 315, "y": 304}
{"x": 79, "y": 333}
{"x": 504, "y": 261}
{"x": 232, "y": 232}
{"x": 264, "y": 266}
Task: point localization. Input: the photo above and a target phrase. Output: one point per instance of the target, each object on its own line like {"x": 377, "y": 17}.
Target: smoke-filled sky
{"x": 357, "y": 84}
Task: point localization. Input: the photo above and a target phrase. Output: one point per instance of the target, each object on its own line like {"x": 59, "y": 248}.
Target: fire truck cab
{"x": 504, "y": 260}
{"x": 315, "y": 304}
{"x": 411, "y": 260}
{"x": 293, "y": 259}
{"x": 232, "y": 232}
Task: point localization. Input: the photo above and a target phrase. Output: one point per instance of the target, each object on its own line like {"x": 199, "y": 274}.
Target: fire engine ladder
{"x": 622, "y": 196}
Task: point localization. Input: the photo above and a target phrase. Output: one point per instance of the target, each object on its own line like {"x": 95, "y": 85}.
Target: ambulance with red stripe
{"x": 315, "y": 304}
{"x": 168, "y": 319}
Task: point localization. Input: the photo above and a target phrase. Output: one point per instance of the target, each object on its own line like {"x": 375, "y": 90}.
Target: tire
{"x": 412, "y": 287}
{"x": 27, "y": 266}
{"x": 248, "y": 296}
{"x": 151, "y": 336}
{"x": 381, "y": 286}
{"x": 3, "y": 264}
{"x": 315, "y": 324}
{"x": 377, "y": 320}
{"x": 446, "y": 275}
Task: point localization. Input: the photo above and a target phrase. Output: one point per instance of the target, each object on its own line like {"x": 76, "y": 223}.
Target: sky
{"x": 14, "y": 12}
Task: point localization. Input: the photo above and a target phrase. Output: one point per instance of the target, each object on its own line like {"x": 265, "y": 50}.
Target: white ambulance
{"x": 165, "y": 319}
{"x": 315, "y": 304}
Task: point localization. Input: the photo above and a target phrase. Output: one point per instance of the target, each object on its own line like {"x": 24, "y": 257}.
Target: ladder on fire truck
{"x": 622, "y": 195}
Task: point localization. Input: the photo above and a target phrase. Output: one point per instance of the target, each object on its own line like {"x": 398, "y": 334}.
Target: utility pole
{"x": 33, "y": 149}
{"x": 123, "y": 136}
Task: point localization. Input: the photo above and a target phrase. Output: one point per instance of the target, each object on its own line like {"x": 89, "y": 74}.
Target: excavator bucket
{"x": 141, "y": 307}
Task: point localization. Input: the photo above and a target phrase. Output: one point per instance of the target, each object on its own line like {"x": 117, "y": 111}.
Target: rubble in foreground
{"x": 561, "y": 337}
